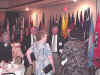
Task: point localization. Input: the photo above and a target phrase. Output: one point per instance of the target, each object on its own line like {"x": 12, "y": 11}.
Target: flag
{"x": 31, "y": 21}
{"x": 91, "y": 44}
{"x": 36, "y": 23}
{"x": 81, "y": 21}
{"x": 69, "y": 20}
{"x": 85, "y": 25}
{"x": 59, "y": 25}
{"x": 50, "y": 24}
{"x": 53, "y": 20}
{"x": 77, "y": 21}
{"x": 43, "y": 18}
{"x": 42, "y": 22}
{"x": 88, "y": 23}
{"x": 40, "y": 25}
{"x": 8, "y": 26}
{"x": 23, "y": 22}
{"x": 97, "y": 42}
{"x": 64, "y": 26}
{"x": 72, "y": 22}
{"x": 50, "y": 20}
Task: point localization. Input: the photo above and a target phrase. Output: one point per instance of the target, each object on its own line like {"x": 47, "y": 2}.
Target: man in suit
{"x": 29, "y": 39}
{"x": 56, "y": 43}
{"x": 55, "y": 40}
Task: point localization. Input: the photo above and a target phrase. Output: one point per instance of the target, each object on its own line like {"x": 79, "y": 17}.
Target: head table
{"x": 18, "y": 69}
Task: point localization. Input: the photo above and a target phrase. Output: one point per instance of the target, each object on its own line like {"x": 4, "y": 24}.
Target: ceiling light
{"x": 27, "y": 9}
{"x": 74, "y": 0}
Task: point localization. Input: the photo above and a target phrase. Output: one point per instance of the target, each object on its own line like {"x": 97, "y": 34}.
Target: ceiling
{"x": 21, "y": 4}
{"x": 12, "y": 4}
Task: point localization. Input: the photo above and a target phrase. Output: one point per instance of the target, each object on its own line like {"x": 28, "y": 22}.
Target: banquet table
{"x": 18, "y": 69}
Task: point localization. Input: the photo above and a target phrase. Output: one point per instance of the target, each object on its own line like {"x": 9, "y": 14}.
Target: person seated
{"x": 5, "y": 49}
{"x": 18, "y": 60}
{"x": 16, "y": 50}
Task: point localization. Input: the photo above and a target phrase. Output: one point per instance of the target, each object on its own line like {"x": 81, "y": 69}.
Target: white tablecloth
{"x": 17, "y": 69}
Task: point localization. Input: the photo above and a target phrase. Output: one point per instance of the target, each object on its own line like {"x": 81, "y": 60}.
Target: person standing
{"x": 29, "y": 39}
{"x": 42, "y": 54}
{"x": 55, "y": 40}
{"x": 33, "y": 34}
{"x": 56, "y": 43}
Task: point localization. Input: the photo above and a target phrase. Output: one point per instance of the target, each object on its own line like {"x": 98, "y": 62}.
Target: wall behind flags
{"x": 2, "y": 17}
{"x": 71, "y": 8}
{"x": 98, "y": 6}
{"x": 58, "y": 10}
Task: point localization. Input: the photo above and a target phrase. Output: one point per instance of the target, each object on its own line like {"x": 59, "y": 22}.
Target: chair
{"x": 18, "y": 60}
{"x": 8, "y": 74}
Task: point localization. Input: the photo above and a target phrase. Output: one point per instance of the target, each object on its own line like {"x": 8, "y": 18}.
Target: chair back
{"x": 8, "y": 74}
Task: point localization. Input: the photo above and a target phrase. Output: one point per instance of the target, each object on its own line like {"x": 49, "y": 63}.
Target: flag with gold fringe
{"x": 64, "y": 26}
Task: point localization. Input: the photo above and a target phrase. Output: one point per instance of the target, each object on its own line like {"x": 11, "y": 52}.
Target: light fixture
{"x": 65, "y": 9}
{"x": 74, "y": 0}
{"x": 27, "y": 9}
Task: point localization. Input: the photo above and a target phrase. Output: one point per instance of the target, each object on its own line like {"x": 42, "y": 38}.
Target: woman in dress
{"x": 42, "y": 54}
{"x": 16, "y": 47}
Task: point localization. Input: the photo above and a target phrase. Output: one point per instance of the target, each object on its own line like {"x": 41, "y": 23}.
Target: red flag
{"x": 97, "y": 42}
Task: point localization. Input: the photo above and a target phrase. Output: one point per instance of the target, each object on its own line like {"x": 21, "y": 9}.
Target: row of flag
{"x": 15, "y": 22}
{"x": 70, "y": 22}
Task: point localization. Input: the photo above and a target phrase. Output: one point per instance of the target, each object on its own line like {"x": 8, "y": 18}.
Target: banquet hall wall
{"x": 98, "y": 6}
{"x": 58, "y": 10}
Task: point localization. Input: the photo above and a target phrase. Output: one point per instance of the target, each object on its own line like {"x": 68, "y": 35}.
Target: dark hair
{"x": 40, "y": 34}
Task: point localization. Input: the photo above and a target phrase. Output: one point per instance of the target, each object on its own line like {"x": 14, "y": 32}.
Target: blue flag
{"x": 91, "y": 44}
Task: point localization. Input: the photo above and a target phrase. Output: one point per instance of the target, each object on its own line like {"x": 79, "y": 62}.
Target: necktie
{"x": 33, "y": 39}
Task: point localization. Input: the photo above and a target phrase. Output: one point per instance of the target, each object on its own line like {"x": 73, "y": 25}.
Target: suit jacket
{"x": 26, "y": 43}
{"x": 59, "y": 40}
